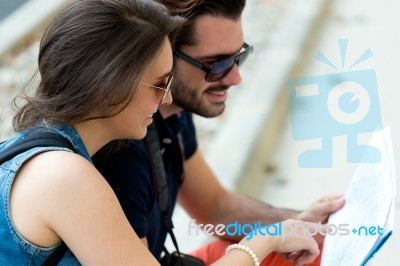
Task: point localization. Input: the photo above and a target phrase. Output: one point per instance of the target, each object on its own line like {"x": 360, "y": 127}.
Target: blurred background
{"x": 250, "y": 147}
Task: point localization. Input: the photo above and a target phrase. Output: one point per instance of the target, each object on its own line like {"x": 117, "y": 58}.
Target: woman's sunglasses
{"x": 165, "y": 88}
{"x": 220, "y": 68}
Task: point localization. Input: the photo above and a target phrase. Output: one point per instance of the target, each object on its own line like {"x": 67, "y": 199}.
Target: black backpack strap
{"x": 35, "y": 139}
{"x": 39, "y": 138}
{"x": 56, "y": 256}
{"x": 153, "y": 145}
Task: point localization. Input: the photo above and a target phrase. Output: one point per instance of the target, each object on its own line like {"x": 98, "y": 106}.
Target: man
{"x": 207, "y": 55}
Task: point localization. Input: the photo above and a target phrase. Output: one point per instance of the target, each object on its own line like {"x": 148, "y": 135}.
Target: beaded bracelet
{"x": 245, "y": 249}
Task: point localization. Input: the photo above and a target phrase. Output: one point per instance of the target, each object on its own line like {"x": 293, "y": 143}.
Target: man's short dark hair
{"x": 192, "y": 9}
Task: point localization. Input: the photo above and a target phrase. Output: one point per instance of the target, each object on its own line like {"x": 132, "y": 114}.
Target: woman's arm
{"x": 64, "y": 197}
{"x": 59, "y": 195}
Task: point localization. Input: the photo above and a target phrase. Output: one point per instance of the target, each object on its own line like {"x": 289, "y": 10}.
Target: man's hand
{"x": 320, "y": 210}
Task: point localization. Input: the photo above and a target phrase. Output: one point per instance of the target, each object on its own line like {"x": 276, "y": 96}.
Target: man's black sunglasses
{"x": 220, "y": 68}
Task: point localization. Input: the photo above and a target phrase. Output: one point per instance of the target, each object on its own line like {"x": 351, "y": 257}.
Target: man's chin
{"x": 210, "y": 112}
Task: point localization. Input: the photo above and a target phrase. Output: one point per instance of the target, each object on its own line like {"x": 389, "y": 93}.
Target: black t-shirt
{"x": 130, "y": 175}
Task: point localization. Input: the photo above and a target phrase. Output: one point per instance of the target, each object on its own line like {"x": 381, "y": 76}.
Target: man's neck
{"x": 168, "y": 110}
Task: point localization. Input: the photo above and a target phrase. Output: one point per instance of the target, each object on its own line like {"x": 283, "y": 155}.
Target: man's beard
{"x": 185, "y": 98}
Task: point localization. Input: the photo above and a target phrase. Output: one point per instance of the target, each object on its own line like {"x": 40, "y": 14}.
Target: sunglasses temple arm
{"x": 191, "y": 61}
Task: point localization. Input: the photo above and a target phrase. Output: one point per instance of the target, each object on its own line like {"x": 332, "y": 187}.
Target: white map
{"x": 368, "y": 212}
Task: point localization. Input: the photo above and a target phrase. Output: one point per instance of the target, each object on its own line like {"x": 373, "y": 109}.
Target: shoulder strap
{"x": 56, "y": 256}
{"x": 153, "y": 145}
{"x": 35, "y": 139}
{"x": 39, "y": 139}
{"x": 157, "y": 162}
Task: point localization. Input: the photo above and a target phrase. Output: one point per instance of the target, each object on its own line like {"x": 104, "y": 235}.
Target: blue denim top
{"x": 14, "y": 248}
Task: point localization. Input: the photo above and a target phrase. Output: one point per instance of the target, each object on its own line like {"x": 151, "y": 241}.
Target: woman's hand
{"x": 293, "y": 239}
{"x": 296, "y": 242}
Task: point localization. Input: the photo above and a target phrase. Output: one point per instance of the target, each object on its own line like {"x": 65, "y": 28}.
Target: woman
{"x": 105, "y": 67}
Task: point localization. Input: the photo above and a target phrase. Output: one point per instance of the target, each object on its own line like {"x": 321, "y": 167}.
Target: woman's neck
{"x": 93, "y": 135}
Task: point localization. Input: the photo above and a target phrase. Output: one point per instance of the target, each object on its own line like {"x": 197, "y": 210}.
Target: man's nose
{"x": 233, "y": 77}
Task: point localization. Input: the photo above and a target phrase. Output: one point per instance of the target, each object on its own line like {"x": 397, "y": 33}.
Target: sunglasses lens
{"x": 219, "y": 69}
